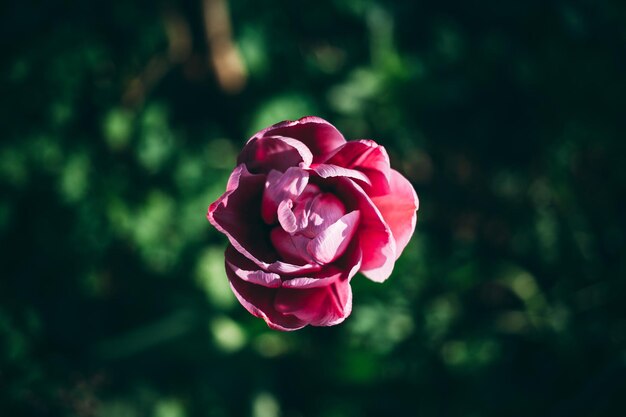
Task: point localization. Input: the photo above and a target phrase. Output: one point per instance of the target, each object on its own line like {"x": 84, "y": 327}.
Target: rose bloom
{"x": 304, "y": 211}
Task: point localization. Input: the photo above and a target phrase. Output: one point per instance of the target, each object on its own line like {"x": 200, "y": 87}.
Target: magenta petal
{"x": 292, "y": 248}
{"x": 317, "y": 134}
{"x": 235, "y": 214}
{"x": 286, "y": 218}
{"x": 399, "y": 209}
{"x": 333, "y": 241}
{"x": 274, "y": 152}
{"x": 280, "y": 187}
{"x": 377, "y": 244}
{"x": 323, "y": 298}
{"x": 249, "y": 271}
{"x": 328, "y": 274}
{"x": 260, "y": 300}
{"x": 286, "y": 268}
{"x": 326, "y": 304}
{"x": 318, "y": 213}
{"x": 304, "y": 283}
{"x": 328, "y": 171}
{"x": 369, "y": 158}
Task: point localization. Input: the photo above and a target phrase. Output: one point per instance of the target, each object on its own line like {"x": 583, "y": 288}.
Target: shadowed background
{"x": 121, "y": 122}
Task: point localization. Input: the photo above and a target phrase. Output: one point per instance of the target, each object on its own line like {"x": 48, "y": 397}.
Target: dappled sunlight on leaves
{"x": 211, "y": 277}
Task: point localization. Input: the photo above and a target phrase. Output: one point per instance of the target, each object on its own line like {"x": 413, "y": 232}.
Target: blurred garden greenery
{"x": 121, "y": 122}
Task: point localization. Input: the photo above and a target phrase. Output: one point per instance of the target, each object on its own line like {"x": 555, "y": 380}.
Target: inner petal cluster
{"x": 308, "y": 225}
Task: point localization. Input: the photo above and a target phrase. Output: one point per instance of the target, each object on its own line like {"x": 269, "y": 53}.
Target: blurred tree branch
{"x": 223, "y": 53}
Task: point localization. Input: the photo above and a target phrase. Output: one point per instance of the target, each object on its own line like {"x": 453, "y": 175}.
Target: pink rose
{"x": 304, "y": 211}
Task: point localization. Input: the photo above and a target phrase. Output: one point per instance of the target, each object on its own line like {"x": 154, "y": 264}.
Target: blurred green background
{"x": 121, "y": 122}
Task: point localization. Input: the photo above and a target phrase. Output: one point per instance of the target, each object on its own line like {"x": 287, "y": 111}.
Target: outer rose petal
{"x": 231, "y": 214}
{"x": 321, "y": 301}
{"x": 259, "y": 301}
{"x": 274, "y": 152}
{"x": 317, "y": 134}
{"x": 249, "y": 271}
{"x": 374, "y": 235}
{"x": 399, "y": 209}
{"x": 323, "y": 306}
{"x": 324, "y": 299}
{"x": 369, "y": 158}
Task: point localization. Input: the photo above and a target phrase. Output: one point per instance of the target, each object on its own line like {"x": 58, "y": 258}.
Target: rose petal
{"x": 292, "y": 248}
{"x": 274, "y": 152}
{"x": 286, "y": 218}
{"x": 260, "y": 300}
{"x": 328, "y": 274}
{"x": 324, "y": 306}
{"x": 324, "y": 299}
{"x": 280, "y": 187}
{"x": 304, "y": 283}
{"x": 333, "y": 241}
{"x": 369, "y": 158}
{"x": 374, "y": 235}
{"x": 317, "y": 134}
{"x": 285, "y": 268}
{"x": 318, "y": 212}
{"x": 329, "y": 170}
{"x": 249, "y": 271}
{"x": 320, "y": 302}
{"x": 235, "y": 214}
{"x": 399, "y": 209}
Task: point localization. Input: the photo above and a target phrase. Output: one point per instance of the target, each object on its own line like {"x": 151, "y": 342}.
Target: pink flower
{"x": 304, "y": 211}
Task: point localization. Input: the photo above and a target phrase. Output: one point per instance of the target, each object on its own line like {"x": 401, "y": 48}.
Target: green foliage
{"x": 508, "y": 118}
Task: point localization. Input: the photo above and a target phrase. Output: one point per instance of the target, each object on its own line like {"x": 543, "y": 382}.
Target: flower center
{"x": 309, "y": 225}
{"x": 319, "y": 230}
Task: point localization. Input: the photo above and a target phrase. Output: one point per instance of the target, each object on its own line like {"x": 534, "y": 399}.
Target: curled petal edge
{"x": 320, "y": 137}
